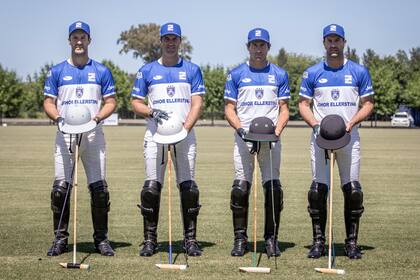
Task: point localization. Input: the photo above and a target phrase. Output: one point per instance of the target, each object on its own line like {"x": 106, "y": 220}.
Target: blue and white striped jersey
{"x": 336, "y": 90}
{"x": 79, "y": 85}
{"x": 257, "y": 91}
{"x": 169, "y": 88}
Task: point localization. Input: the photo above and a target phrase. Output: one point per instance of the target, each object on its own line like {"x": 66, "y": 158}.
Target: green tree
{"x": 34, "y": 94}
{"x": 385, "y": 82}
{"x": 11, "y": 93}
{"x": 415, "y": 59}
{"x": 213, "y": 100}
{"x": 352, "y": 55}
{"x": 295, "y": 65}
{"x": 144, "y": 41}
{"x": 411, "y": 95}
{"x": 123, "y": 86}
{"x": 282, "y": 57}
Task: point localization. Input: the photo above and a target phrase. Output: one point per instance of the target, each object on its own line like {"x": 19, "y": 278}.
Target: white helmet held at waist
{"x": 78, "y": 120}
{"x": 171, "y": 131}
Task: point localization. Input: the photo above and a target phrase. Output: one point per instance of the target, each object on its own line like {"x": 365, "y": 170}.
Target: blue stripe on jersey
{"x": 155, "y": 73}
{"x": 350, "y": 74}
{"x": 245, "y": 76}
{"x": 65, "y": 74}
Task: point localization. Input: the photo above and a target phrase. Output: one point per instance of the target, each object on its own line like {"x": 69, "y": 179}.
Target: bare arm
{"x": 306, "y": 112}
{"x": 195, "y": 112}
{"x": 230, "y": 114}
{"x": 110, "y": 104}
{"x": 364, "y": 112}
{"x": 283, "y": 116}
{"x": 140, "y": 107}
{"x": 50, "y": 108}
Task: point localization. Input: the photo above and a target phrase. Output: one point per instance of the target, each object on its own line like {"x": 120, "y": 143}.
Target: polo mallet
{"x": 170, "y": 265}
{"x": 272, "y": 196}
{"x": 254, "y": 267}
{"x": 330, "y": 270}
{"x": 74, "y": 264}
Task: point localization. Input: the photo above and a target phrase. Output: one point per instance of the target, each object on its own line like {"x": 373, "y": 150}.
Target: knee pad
{"x": 353, "y": 198}
{"x": 99, "y": 195}
{"x": 239, "y": 196}
{"x": 277, "y": 193}
{"x": 190, "y": 197}
{"x": 58, "y": 195}
{"x": 317, "y": 198}
{"x": 150, "y": 198}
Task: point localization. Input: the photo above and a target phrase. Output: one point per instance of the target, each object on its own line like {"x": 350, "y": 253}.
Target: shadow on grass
{"x": 339, "y": 248}
{"x": 261, "y": 246}
{"x": 177, "y": 249}
{"x": 89, "y": 247}
{"x": 177, "y": 246}
{"x": 261, "y": 249}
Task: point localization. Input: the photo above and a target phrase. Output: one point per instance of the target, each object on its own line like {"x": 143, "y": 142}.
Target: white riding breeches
{"x": 244, "y": 160}
{"x": 92, "y": 152}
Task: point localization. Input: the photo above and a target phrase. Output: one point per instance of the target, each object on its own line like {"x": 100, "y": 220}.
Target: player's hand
{"x": 241, "y": 132}
{"x": 349, "y": 126}
{"x": 254, "y": 147}
{"x": 60, "y": 123}
{"x": 158, "y": 115}
{"x": 97, "y": 119}
{"x": 315, "y": 130}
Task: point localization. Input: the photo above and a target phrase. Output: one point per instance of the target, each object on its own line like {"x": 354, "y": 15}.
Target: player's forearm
{"x": 50, "y": 108}
{"x": 282, "y": 119}
{"x": 362, "y": 114}
{"x": 109, "y": 107}
{"x": 232, "y": 117}
{"x": 307, "y": 114}
{"x": 195, "y": 112}
{"x": 140, "y": 108}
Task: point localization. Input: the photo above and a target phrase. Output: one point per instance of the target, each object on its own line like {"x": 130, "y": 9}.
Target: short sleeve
{"x": 197, "y": 82}
{"x": 365, "y": 83}
{"x": 107, "y": 83}
{"x": 284, "y": 89}
{"x": 231, "y": 90}
{"x": 307, "y": 85}
{"x": 140, "y": 85}
{"x": 50, "y": 85}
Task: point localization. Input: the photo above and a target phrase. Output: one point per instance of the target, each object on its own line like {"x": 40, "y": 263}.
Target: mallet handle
{"x": 170, "y": 203}
{"x": 330, "y": 193}
{"x": 76, "y": 159}
{"x": 255, "y": 207}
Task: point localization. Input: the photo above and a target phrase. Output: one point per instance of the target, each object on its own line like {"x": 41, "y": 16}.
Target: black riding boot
{"x": 100, "y": 206}
{"x": 353, "y": 209}
{"x": 190, "y": 208}
{"x": 272, "y": 189}
{"x": 239, "y": 203}
{"x": 150, "y": 205}
{"x": 317, "y": 197}
{"x": 58, "y": 197}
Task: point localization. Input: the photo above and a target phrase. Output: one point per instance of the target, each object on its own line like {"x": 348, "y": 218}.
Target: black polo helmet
{"x": 262, "y": 129}
{"x": 332, "y": 134}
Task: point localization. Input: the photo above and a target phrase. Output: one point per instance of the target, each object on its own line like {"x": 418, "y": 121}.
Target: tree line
{"x": 396, "y": 78}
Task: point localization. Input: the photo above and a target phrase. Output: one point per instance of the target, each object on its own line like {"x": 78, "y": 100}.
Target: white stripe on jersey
{"x": 88, "y": 94}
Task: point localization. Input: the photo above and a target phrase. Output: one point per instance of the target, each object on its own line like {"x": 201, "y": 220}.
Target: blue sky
{"x": 35, "y": 32}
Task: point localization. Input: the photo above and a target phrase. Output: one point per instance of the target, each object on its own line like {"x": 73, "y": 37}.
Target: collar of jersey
{"x": 87, "y": 63}
{"x": 179, "y": 62}
{"x": 331, "y": 68}
{"x": 258, "y": 69}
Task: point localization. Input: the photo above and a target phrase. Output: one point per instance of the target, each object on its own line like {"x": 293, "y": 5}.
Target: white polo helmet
{"x": 171, "y": 131}
{"x": 78, "y": 120}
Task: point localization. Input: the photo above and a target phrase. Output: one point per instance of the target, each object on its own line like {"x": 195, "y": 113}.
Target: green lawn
{"x": 389, "y": 233}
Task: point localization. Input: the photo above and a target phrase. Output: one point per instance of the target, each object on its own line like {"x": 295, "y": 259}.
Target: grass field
{"x": 389, "y": 233}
